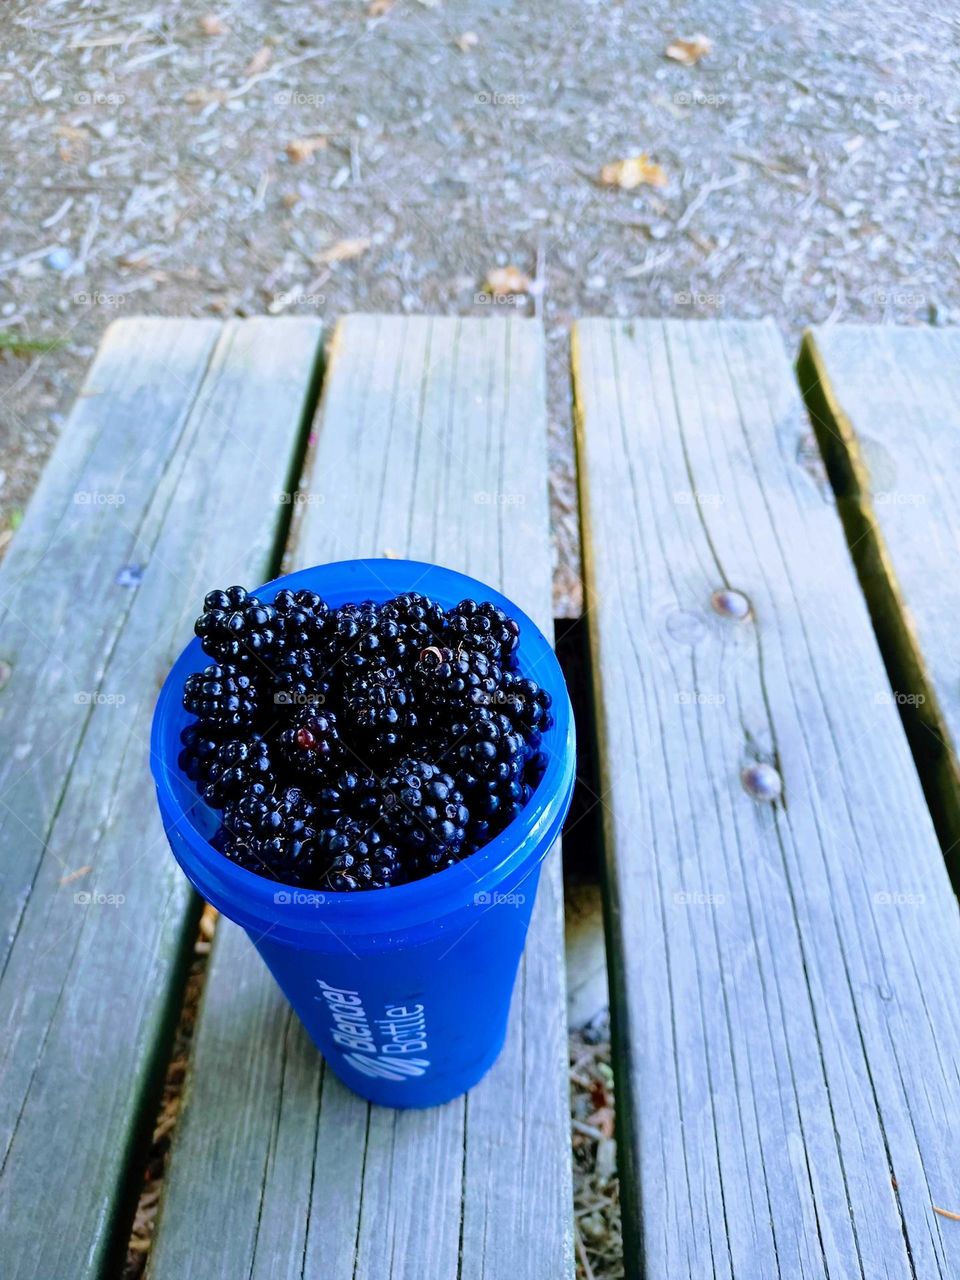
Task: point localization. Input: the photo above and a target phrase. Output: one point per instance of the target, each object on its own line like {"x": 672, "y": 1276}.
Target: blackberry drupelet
{"x": 352, "y": 855}
{"x": 273, "y": 834}
{"x": 224, "y": 696}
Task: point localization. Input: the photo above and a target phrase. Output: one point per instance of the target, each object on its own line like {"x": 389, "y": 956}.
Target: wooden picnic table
{"x": 782, "y": 933}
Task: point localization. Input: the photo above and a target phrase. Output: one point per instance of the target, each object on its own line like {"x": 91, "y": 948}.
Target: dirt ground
{"x": 291, "y": 157}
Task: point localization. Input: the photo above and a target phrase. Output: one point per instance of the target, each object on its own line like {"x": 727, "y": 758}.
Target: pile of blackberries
{"x": 364, "y": 746}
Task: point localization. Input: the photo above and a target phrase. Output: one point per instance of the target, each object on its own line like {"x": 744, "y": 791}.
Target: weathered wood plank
{"x": 431, "y": 444}
{"x": 885, "y": 402}
{"x": 189, "y": 428}
{"x": 787, "y": 1037}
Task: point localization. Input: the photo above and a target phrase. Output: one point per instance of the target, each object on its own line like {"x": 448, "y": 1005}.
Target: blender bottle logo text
{"x": 380, "y": 1048}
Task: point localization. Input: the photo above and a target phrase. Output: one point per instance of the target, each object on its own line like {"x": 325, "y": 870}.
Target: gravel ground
{"x": 156, "y": 161}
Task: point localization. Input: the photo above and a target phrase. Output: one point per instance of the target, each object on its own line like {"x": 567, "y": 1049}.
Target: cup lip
{"x": 256, "y": 901}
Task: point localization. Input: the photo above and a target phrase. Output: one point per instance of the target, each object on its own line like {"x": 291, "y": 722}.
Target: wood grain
{"x": 787, "y": 1034}
{"x": 168, "y": 475}
{"x": 885, "y": 402}
{"x": 431, "y": 444}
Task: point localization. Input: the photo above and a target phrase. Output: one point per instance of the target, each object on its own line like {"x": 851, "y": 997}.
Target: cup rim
{"x": 256, "y": 901}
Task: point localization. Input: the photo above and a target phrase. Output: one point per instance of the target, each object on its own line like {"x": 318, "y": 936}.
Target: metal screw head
{"x": 762, "y": 782}
{"x": 731, "y": 604}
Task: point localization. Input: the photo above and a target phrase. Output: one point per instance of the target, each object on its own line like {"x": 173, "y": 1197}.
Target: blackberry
{"x": 236, "y": 627}
{"x": 421, "y": 621}
{"x": 224, "y": 696}
{"x": 311, "y": 746}
{"x": 483, "y": 628}
{"x": 423, "y": 810}
{"x": 379, "y": 711}
{"x": 360, "y": 639}
{"x": 272, "y": 834}
{"x": 443, "y": 678}
{"x": 236, "y": 765}
{"x": 484, "y": 747}
{"x": 298, "y": 678}
{"x": 527, "y": 705}
{"x": 354, "y": 792}
{"x": 200, "y": 741}
{"x": 303, "y": 619}
{"x": 353, "y": 856}
{"x": 494, "y": 805}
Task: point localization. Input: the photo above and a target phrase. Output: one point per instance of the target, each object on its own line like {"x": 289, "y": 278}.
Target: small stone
{"x": 762, "y": 782}
{"x": 731, "y": 604}
{"x": 59, "y": 259}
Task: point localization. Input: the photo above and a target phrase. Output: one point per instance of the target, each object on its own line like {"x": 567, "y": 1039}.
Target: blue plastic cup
{"x": 405, "y": 991}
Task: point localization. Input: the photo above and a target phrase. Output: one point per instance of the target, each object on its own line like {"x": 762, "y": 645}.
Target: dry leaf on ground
{"x": 343, "y": 250}
{"x": 211, "y": 25}
{"x": 634, "y": 172}
{"x": 377, "y": 8}
{"x": 690, "y": 51}
{"x": 203, "y": 97}
{"x": 469, "y": 40}
{"x": 259, "y": 62}
{"x": 301, "y": 149}
{"x": 503, "y": 281}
